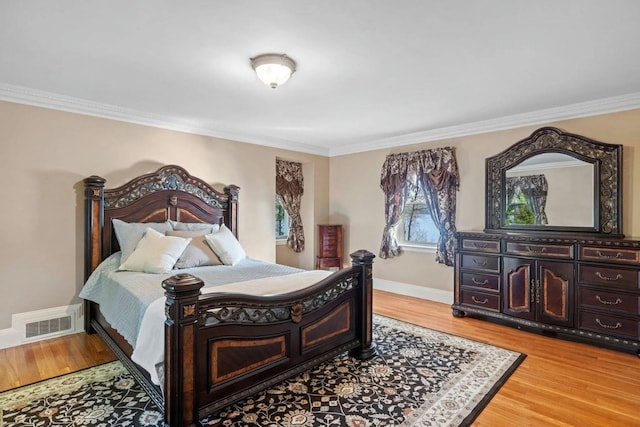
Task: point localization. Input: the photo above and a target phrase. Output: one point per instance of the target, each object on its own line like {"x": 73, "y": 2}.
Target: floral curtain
{"x": 535, "y": 189}
{"x": 439, "y": 180}
{"x": 392, "y": 182}
{"x": 290, "y": 186}
{"x": 437, "y": 171}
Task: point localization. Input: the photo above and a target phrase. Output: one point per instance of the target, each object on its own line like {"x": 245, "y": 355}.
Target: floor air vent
{"x": 46, "y": 327}
{"x": 47, "y": 323}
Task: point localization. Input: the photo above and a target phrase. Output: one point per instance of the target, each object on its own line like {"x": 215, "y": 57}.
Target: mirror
{"x": 551, "y": 189}
{"x": 555, "y": 181}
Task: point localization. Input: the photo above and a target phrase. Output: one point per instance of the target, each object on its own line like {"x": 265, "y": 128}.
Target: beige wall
{"x": 357, "y": 200}
{"x": 45, "y": 156}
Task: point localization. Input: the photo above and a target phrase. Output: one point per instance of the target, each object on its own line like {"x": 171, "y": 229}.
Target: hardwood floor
{"x": 41, "y": 360}
{"x": 560, "y": 383}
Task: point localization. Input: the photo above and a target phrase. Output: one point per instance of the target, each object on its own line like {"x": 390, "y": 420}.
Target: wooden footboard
{"x": 220, "y": 348}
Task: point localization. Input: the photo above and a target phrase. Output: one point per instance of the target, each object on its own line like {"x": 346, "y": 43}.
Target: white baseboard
{"x": 431, "y": 294}
{"x": 17, "y": 333}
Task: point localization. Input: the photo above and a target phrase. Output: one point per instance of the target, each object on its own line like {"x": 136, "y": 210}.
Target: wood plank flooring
{"x": 560, "y": 383}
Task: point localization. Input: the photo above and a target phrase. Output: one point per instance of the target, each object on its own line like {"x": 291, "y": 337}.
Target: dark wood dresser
{"x": 582, "y": 288}
{"x": 329, "y": 246}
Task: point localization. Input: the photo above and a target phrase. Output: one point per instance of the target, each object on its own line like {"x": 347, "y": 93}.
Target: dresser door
{"x": 554, "y": 293}
{"x": 518, "y": 288}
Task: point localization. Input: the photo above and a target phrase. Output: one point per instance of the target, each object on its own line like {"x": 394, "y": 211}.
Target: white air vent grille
{"x": 46, "y": 327}
{"x": 48, "y": 323}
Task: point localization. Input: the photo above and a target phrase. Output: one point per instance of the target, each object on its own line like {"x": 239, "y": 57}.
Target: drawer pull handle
{"x": 605, "y": 256}
{"x": 485, "y": 282}
{"x": 473, "y": 298}
{"x": 610, "y": 279}
{"x": 480, "y": 245}
{"x": 605, "y": 302}
{"x": 618, "y": 325}
{"x": 480, "y": 262}
{"x": 536, "y": 251}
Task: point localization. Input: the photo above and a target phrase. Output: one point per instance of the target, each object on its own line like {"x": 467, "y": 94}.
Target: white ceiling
{"x": 371, "y": 73}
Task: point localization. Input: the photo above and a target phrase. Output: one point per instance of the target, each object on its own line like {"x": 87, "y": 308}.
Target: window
{"x": 282, "y": 221}
{"x": 417, "y": 224}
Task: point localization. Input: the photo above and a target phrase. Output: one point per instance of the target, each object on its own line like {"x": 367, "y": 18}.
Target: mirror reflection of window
{"x": 518, "y": 211}
{"x": 570, "y": 196}
{"x": 529, "y": 200}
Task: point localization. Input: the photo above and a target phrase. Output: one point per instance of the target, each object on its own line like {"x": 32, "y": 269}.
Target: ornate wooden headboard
{"x": 169, "y": 193}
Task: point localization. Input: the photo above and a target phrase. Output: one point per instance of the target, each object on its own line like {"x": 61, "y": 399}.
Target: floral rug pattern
{"x": 420, "y": 377}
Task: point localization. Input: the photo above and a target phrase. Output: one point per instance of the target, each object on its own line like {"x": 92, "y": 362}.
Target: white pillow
{"x": 226, "y": 246}
{"x": 198, "y": 253}
{"x": 155, "y": 253}
{"x": 130, "y": 233}
{"x": 194, "y": 226}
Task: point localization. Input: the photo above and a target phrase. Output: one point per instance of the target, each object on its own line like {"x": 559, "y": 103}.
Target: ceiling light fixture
{"x": 273, "y": 69}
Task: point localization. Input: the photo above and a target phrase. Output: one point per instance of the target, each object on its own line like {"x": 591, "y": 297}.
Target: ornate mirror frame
{"x": 607, "y": 161}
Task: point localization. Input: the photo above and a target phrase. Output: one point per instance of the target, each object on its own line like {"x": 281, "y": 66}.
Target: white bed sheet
{"x": 126, "y": 297}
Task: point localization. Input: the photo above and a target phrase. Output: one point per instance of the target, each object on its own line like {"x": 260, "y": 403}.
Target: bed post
{"x": 94, "y": 219}
{"x": 180, "y": 329}
{"x": 231, "y": 214}
{"x": 364, "y": 260}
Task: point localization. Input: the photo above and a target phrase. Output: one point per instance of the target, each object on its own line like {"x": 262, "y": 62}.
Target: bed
{"x": 221, "y": 346}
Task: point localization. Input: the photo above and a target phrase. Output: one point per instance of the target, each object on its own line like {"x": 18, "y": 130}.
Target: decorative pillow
{"x": 194, "y": 226}
{"x": 226, "y": 246}
{"x": 155, "y": 253}
{"x": 130, "y": 233}
{"x": 198, "y": 253}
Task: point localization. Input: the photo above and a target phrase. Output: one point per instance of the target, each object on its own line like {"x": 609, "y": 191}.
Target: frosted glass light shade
{"x": 273, "y": 69}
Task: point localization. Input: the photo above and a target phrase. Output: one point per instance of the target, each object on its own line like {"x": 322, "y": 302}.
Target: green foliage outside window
{"x": 519, "y": 211}
{"x": 282, "y": 221}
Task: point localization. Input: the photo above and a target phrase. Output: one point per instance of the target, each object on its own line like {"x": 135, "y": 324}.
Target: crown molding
{"x": 583, "y": 109}
{"x": 39, "y": 98}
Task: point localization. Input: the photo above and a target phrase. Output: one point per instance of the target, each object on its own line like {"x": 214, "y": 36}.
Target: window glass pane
{"x": 282, "y": 221}
{"x": 417, "y": 224}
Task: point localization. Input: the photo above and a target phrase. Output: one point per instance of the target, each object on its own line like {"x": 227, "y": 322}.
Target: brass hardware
{"x": 537, "y": 286}
{"x": 481, "y": 263}
{"x": 486, "y": 282}
{"x": 605, "y": 302}
{"x": 601, "y": 255}
{"x": 605, "y": 326}
{"x": 473, "y": 298}
{"x": 610, "y": 279}
{"x": 536, "y": 251}
{"x": 188, "y": 310}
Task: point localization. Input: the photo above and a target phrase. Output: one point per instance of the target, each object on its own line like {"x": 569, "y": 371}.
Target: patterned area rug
{"x": 420, "y": 377}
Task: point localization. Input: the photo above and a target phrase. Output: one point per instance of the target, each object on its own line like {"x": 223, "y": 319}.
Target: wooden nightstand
{"x": 329, "y": 246}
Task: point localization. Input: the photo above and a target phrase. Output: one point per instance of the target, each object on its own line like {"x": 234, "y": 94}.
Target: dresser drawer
{"x": 609, "y": 300}
{"x": 617, "y": 277}
{"x": 481, "y": 262}
{"x": 481, "y": 299}
{"x": 492, "y": 246}
{"x": 594, "y": 253}
{"x": 610, "y": 324}
{"x": 536, "y": 249}
{"x": 478, "y": 280}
